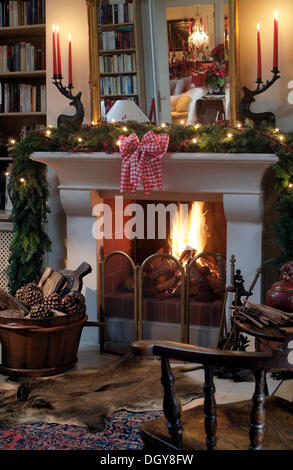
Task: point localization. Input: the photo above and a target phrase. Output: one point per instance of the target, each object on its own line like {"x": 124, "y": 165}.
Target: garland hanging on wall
{"x": 28, "y": 187}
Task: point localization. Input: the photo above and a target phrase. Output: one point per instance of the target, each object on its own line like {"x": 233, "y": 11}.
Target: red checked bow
{"x": 142, "y": 161}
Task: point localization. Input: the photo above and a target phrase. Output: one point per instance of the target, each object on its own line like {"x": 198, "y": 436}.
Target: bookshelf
{"x": 115, "y": 52}
{"x": 22, "y": 67}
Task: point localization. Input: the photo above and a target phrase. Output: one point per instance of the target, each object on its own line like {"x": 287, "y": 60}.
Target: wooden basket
{"x": 40, "y": 346}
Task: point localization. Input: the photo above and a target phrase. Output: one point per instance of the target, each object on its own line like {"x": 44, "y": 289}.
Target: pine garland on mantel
{"x": 28, "y": 187}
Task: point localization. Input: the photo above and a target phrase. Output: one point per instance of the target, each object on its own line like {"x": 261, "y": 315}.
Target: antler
{"x": 65, "y": 90}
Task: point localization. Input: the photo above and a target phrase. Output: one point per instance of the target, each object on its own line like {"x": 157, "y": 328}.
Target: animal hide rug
{"x": 87, "y": 397}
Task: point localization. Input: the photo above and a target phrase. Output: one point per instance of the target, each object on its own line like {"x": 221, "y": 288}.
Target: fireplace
{"x": 162, "y": 255}
{"x": 232, "y": 181}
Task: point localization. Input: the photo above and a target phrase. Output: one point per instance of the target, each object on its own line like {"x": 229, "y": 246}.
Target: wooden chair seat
{"x": 262, "y": 423}
{"x": 233, "y": 426}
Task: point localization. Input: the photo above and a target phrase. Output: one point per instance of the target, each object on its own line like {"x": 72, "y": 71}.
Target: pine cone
{"x": 20, "y": 293}
{"x": 32, "y": 294}
{"x": 74, "y": 302}
{"x": 53, "y": 302}
{"x": 40, "y": 311}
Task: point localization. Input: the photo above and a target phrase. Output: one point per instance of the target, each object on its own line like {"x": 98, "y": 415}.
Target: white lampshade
{"x": 126, "y": 110}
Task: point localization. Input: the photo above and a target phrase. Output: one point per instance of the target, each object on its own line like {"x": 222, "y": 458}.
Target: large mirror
{"x": 176, "y": 59}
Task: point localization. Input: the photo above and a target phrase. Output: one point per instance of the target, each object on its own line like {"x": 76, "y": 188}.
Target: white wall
{"x": 262, "y": 11}
{"x": 71, "y": 15}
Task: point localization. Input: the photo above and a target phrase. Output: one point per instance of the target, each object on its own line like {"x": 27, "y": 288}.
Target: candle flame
{"x": 276, "y": 15}
{"x": 69, "y": 37}
{"x": 258, "y": 26}
{"x": 57, "y": 28}
{"x": 54, "y": 27}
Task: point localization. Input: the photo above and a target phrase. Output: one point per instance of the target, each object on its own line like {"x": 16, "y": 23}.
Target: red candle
{"x": 258, "y": 53}
{"x": 201, "y": 28}
{"x": 275, "y": 53}
{"x": 189, "y": 26}
{"x": 58, "y": 52}
{"x": 69, "y": 61}
{"x": 54, "y": 53}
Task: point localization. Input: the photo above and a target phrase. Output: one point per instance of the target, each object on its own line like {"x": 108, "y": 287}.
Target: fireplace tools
{"x": 245, "y": 103}
{"x": 75, "y": 101}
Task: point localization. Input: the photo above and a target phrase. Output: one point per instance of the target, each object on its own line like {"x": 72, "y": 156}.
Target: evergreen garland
{"x": 28, "y": 186}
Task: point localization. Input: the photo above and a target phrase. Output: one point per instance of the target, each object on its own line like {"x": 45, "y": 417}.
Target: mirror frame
{"x": 94, "y": 75}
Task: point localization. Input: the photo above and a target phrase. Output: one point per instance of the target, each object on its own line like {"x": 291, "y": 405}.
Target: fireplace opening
{"x": 168, "y": 269}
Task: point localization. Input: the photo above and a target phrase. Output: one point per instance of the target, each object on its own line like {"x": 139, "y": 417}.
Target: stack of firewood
{"x": 162, "y": 278}
{"x": 264, "y": 316}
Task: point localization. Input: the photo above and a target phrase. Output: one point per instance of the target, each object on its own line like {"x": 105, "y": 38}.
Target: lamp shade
{"x": 126, "y": 110}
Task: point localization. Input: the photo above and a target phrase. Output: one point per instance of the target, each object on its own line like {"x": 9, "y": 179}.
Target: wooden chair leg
{"x": 171, "y": 403}
{"x": 257, "y": 417}
{"x": 210, "y": 409}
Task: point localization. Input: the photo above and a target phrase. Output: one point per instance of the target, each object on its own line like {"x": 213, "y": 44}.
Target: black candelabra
{"x": 248, "y": 98}
{"x": 75, "y": 101}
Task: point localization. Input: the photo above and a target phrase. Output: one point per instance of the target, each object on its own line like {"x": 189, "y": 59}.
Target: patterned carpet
{"x": 122, "y": 432}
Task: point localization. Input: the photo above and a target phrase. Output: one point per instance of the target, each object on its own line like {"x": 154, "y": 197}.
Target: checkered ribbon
{"x": 142, "y": 161}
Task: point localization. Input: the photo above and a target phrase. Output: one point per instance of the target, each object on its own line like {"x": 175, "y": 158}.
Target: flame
{"x": 188, "y": 230}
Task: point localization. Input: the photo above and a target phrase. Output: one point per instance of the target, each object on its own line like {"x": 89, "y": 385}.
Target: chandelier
{"x": 198, "y": 38}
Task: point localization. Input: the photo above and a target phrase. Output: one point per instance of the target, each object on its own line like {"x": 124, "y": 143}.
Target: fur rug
{"x": 87, "y": 397}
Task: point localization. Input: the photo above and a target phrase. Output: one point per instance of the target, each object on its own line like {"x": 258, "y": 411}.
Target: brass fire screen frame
{"x": 138, "y": 270}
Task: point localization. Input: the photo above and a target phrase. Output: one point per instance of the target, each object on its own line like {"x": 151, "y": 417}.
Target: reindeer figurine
{"x": 248, "y": 99}
{"x": 75, "y": 101}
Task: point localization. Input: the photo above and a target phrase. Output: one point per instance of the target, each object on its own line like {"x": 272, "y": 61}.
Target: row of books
{"x": 117, "y": 63}
{"x": 22, "y": 97}
{"x": 120, "y": 85}
{"x": 22, "y": 56}
{"x": 115, "y": 13}
{"x": 22, "y": 12}
{"x": 120, "y": 39}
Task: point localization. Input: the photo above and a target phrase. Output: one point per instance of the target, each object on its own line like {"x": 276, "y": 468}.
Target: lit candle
{"x": 207, "y": 29}
{"x": 258, "y": 53}
{"x": 189, "y": 26}
{"x": 58, "y": 51}
{"x": 69, "y": 61}
{"x": 54, "y": 53}
{"x": 201, "y": 28}
{"x": 275, "y": 53}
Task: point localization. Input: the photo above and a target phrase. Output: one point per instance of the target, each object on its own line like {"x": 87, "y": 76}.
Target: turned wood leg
{"x": 210, "y": 409}
{"x": 171, "y": 403}
{"x": 257, "y": 417}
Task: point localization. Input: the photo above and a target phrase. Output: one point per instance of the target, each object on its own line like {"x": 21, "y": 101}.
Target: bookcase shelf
{"x": 32, "y": 30}
{"x": 115, "y": 38}
{"x": 24, "y": 74}
{"x": 20, "y": 114}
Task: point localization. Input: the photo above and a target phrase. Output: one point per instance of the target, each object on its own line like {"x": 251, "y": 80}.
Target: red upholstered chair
{"x": 241, "y": 425}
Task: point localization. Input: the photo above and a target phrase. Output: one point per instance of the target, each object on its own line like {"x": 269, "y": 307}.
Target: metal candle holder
{"x": 75, "y": 101}
{"x": 248, "y": 99}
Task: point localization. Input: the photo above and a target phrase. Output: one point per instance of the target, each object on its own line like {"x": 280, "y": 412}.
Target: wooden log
{"x": 51, "y": 281}
{"x": 8, "y": 302}
{"x": 12, "y": 313}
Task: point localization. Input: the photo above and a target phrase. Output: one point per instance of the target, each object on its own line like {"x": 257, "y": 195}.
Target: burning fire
{"x": 188, "y": 230}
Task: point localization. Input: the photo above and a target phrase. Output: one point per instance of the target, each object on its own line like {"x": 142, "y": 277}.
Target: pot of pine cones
{"x": 40, "y": 327}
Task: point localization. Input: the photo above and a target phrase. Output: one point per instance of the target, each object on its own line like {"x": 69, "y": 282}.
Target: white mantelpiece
{"x": 235, "y": 179}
